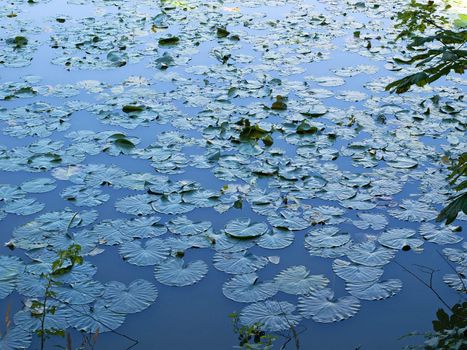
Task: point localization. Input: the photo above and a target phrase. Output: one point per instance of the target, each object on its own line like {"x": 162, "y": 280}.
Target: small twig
{"x": 291, "y": 329}
{"x": 426, "y": 284}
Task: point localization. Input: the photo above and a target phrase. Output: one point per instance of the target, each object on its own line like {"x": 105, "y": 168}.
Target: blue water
{"x": 196, "y": 317}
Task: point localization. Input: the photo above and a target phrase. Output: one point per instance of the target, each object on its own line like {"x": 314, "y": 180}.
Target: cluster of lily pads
{"x": 315, "y": 160}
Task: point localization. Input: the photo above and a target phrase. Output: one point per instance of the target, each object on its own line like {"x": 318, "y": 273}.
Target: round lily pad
{"x": 146, "y": 253}
{"x": 135, "y": 297}
{"x": 272, "y": 315}
{"x": 247, "y": 288}
{"x": 323, "y": 307}
{"x": 174, "y": 272}
{"x": 93, "y": 318}
{"x": 276, "y": 239}
{"x": 376, "y": 290}
{"x": 297, "y": 280}
{"x": 368, "y": 254}
{"x": 400, "y": 238}
{"x": 356, "y": 273}
{"x": 243, "y": 228}
{"x": 238, "y": 263}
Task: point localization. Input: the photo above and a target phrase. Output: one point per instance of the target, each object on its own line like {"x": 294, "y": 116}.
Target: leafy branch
{"x": 449, "y": 331}
{"x": 65, "y": 262}
{"x": 251, "y": 337}
{"x": 448, "y": 54}
{"x": 457, "y": 179}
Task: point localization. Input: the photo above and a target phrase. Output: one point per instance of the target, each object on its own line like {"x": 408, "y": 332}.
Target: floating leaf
{"x": 39, "y": 185}
{"x": 238, "y": 263}
{"x": 184, "y": 226}
{"x": 400, "y": 238}
{"x": 276, "y": 239}
{"x": 323, "y": 307}
{"x": 374, "y": 291}
{"x": 246, "y": 288}
{"x": 174, "y": 272}
{"x": 93, "y": 318}
{"x": 79, "y": 293}
{"x": 27, "y": 319}
{"x": 356, "y": 273}
{"x": 368, "y": 254}
{"x": 10, "y": 268}
{"x": 243, "y": 228}
{"x": 273, "y": 315}
{"x": 24, "y": 206}
{"x": 15, "y": 338}
{"x": 135, "y": 297}
{"x": 288, "y": 220}
{"x": 457, "y": 281}
{"x": 413, "y": 211}
{"x": 150, "y": 252}
{"x": 439, "y": 235}
{"x": 297, "y": 280}
{"x": 135, "y": 205}
{"x": 373, "y": 221}
{"x": 327, "y": 237}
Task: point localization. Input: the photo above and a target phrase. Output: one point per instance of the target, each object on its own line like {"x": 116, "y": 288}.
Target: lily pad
{"x": 439, "y": 235}
{"x": 355, "y": 273}
{"x": 323, "y": 307}
{"x": 150, "y": 252}
{"x": 276, "y": 239}
{"x": 368, "y": 254}
{"x": 374, "y": 291}
{"x": 184, "y": 226}
{"x": 174, "y": 272}
{"x": 135, "y": 297}
{"x": 243, "y": 228}
{"x": 93, "y": 318}
{"x": 297, "y": 280}
{"x": 239, "y": 263}
{"x": 273, "y": 315}
{"x": 246, "y": 288}
{"x": 400, "y": 238}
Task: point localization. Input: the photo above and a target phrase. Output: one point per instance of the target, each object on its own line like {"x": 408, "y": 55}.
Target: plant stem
{"x": 44, "y": 312}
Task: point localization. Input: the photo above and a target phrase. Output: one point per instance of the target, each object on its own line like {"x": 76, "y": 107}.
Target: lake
{"x": 195, "y": 159}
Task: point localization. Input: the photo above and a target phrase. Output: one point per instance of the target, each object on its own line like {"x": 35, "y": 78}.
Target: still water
{"x": 192, "y": 73}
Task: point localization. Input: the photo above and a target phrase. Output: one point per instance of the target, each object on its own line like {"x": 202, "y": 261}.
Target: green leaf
{"x": 450, "y": 212}
{"x": 306, "y": 129}
{"x": 221, "y": 32}
{"x": 171, "y": 40}
{"x": 279, "y": 104}
{"x": 18, "y": 41}
{"x": 132, "y": 109}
